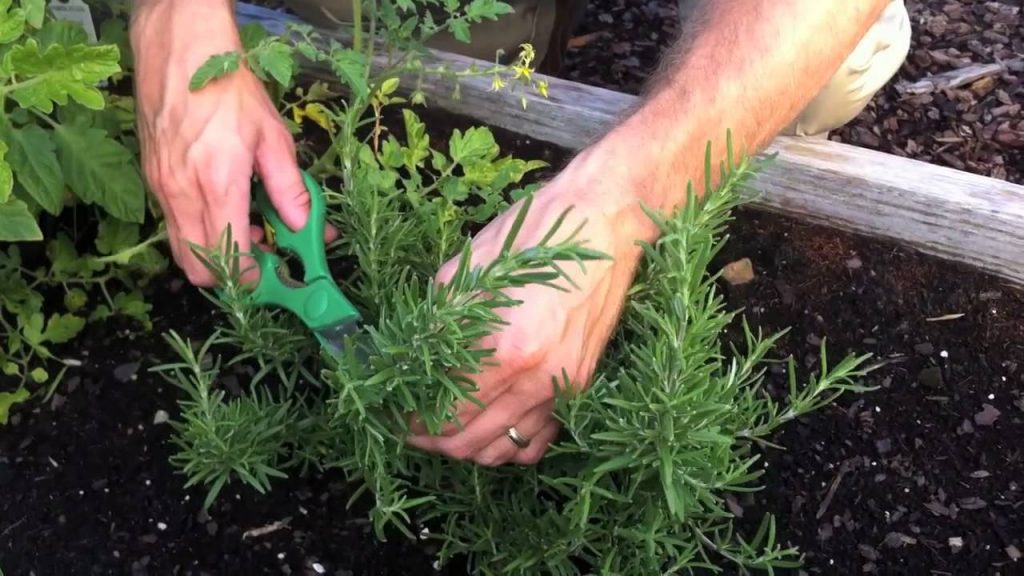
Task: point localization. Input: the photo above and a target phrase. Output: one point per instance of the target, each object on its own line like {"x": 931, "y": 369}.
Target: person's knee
{"x": 872, "y": 64}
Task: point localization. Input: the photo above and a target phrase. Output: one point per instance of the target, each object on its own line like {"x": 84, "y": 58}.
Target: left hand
{"x": 550, "y": 330}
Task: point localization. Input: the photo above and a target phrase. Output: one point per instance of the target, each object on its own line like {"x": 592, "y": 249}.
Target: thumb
{"x": 279, "y": 170}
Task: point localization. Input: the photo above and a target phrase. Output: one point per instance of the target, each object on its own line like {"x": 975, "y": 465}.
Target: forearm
{"x": 746, "y": 66}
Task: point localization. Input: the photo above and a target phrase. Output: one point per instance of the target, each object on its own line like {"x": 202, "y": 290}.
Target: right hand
{"x": 201, "y": 148}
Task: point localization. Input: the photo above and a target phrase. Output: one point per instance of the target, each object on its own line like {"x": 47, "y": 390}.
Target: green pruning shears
{"x": 317, "y": 299}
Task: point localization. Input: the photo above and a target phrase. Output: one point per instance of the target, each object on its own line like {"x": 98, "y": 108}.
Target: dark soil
{"x": 87, "y": 487}
{"x": 893, "y": 481}
{"x": 921, "y": 466}
{"x": 890, "y": 481}
{"x": 978, "y": 127}
{"x": 922, "y": 476}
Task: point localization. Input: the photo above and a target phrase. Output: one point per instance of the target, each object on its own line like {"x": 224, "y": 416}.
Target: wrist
{"x": 171, "y": 39}
{"x": 617, "y": 177}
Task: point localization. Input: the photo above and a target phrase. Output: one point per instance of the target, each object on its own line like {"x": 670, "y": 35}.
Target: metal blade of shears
{"x": 333, "y": 338}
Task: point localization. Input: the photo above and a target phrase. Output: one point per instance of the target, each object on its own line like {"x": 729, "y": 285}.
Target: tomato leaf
{"x": 35, "y": 10}
{"x": 351, "y": 67}
{"x": 62, "y": 328}
{"x": 101, "y": 171}
{"x": 33, "y": 158}
{"x": 477, "y": 144}
{"x": 115, "y": 235}
{"x": 460, "y": 30}
{"x": 12, "y": 25}
{"x": 251, "y": 35}
{"x": 76, "y": 299}
{"x": 52, "y": 76}
{"x": 17, "y": 224}
{"x": 9, "y": 399}
{"x": 6, "y": 176}
{"x": 62, "y": 32}
{"x": 215, "y": 67}
{"x": 273, "y": 59}
{"x": 113, "y": 31}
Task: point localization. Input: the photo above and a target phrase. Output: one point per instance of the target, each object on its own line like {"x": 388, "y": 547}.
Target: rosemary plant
{"x": 672, "y": 423}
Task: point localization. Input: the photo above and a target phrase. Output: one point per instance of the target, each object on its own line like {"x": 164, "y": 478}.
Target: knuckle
{"x": 490, "y": 460}
{"x": 532, "y": 458}
{"x": 520, "y": 354}
{"x": 198, "y": 277}
{"x": 460, "y": 451}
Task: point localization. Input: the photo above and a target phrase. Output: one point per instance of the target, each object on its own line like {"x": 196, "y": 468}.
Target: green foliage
{"x": 8, "y": 399}
{"x": 635, "y": 484}
{"x": 72, "y": 199}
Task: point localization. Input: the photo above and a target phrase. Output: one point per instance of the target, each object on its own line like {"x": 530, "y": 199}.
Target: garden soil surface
{"x": 924, "y": 475}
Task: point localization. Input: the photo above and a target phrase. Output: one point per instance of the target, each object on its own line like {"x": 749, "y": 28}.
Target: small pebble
{"x": 161, "y": 417}
{"x": 161, "y": 526}
{"x": 319, "y": 568}
{"x": 924, "y": 349}
{"x": 126, "y": 372}
{"x": 738, "y": 272}
{"x": 884, "y": 445}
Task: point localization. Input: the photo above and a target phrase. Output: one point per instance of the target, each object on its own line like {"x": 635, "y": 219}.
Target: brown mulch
{"x": 977, "y": 127}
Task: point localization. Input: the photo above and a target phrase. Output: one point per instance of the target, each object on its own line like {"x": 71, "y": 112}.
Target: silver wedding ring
{"x": 518, "y": 439}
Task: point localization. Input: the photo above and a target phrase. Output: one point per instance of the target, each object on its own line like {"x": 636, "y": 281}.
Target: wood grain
{"x": 959, "y": 77}
{"x": 962, "y": 217}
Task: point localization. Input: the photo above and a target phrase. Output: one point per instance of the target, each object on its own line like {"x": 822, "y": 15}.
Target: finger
{"x": 539, "y": 444}
{"x": 258, "y": 238}
{"x": 482, "y": 431}
{"x": 225, "y": 185}
{"x": 330, "y": 233}
{"x": 518, "y": 361}
{"x": 503, "y": 450}
{"x": 489, "y": 385}
{"x": 186, "y": 211}
{"x": 256, "y": 234}
{"x": 279, "y": 170}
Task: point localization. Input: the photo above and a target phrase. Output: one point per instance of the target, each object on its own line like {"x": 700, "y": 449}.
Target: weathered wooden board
{"x": 959, "y": 216}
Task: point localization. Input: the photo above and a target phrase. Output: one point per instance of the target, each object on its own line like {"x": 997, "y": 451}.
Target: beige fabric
{"x": 531, "y": 23}
{"x": 875, "y": 60}
{"x": 871, "y": 65}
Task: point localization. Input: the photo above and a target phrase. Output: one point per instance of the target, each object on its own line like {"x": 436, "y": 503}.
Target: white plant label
{"x": 75, "y": 11}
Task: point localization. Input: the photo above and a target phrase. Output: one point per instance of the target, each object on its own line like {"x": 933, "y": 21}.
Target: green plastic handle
{"x": 317, "y": 300}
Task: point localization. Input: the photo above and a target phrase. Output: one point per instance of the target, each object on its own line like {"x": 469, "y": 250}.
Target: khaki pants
{"x": 875, "y": 60}
{"x": 546, "y": 24}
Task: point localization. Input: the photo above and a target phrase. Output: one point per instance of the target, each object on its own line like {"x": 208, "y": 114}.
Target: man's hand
{"x": 741, "y": 65}
{"x": 200, "y": 149}
{"x": 551, "y": 330}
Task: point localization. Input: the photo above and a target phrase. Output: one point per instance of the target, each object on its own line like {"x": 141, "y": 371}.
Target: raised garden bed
{"x": 918, "y": 476}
